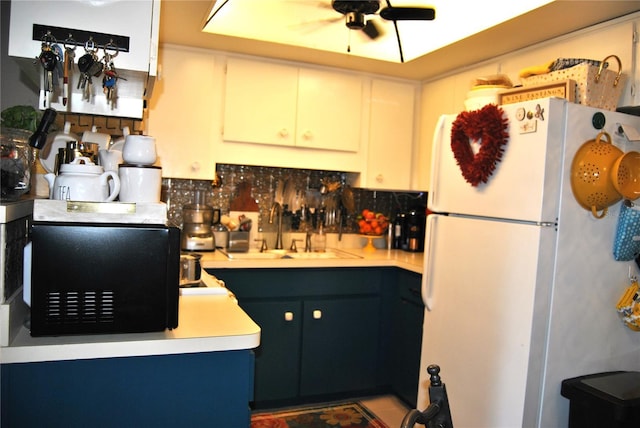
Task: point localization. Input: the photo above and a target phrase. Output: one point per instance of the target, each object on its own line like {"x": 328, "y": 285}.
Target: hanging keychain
{"x": 67, "y": 69}
{"x": 111, "y": 76}
{"x": 49, "y": 61}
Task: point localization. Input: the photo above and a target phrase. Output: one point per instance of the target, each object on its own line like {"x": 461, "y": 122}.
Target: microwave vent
{"x": 80, "y": 307}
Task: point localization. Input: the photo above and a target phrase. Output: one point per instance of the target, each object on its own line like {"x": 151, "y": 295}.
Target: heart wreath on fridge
{"x": 488, "y": 126}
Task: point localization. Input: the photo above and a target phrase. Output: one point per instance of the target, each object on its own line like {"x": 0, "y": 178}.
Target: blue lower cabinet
{"x": 204, "y": 389}
{"x": 321, "y": 330}
{"x": 406, "y": 342}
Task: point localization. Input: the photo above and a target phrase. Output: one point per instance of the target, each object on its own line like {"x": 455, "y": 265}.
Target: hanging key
{"x": 49, "y": 60}
{"x": 67, "y": 69}
{"x": 110, "y": 74}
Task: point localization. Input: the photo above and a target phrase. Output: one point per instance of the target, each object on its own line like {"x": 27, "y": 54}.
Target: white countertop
{"x": 379, "y": 258}
{"x": 206, "y": 323}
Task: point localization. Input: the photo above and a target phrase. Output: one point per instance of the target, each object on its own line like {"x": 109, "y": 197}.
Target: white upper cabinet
{"x": 329, "y": 110}
{"x": 184, "y": 112}
{"x": 391, "y": 135}
{"x": 268, "y": 103}
{"x": 260, "y": 102}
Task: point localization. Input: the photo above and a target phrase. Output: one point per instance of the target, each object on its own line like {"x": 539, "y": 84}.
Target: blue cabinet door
{"x": 278, "y": 356}
{"x": 210, "y": 389}
{"x": 340, "y": 345}
{"x": 406, "y": 340}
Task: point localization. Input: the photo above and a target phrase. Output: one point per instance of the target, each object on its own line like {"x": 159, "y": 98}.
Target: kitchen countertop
{"x": 379, "y": 258}
{"x": 206, "y": 323}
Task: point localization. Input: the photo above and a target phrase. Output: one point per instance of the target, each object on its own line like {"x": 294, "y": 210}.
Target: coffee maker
{"x": 415, "y": 223}
{"x": 197, "y": 219}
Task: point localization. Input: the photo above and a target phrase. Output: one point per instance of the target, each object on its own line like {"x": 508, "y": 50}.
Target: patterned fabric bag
{"x": 596, "y": 86}
{"x": 627, "y": 241}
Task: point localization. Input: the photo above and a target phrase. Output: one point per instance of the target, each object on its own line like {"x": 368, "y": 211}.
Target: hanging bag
{"x": 626, "y": 245}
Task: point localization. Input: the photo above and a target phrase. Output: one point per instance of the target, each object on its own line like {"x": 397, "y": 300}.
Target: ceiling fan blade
{"x": 372, "y": 30}
{"x": 408, "y": 13}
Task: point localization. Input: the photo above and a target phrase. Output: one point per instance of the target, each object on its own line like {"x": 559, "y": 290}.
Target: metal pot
{"x": 190, "y": 270}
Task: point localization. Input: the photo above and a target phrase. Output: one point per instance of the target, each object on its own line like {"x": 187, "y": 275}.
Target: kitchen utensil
{"x": 140, "y": 183}
{"x": 110, "y": 159}
{"x": 591, "y": 181}
{"x": 348, "y": 200}
{"x": 82, "y": 180}
{"x": 75, "y": 149}
{"x": 101, "y": 139}
{"x": 55, "y": 142}
{"x": 16, "y": 158}
{"x": 197, "y": 218}
{"x": 139, "y": 150}
{"x": 39, "y": 138}
{"x": 626, "y": 175}
{"x": 190, "y": 269}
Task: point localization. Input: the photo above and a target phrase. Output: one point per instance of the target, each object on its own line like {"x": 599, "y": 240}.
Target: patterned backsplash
{"x": 307, "y": 183}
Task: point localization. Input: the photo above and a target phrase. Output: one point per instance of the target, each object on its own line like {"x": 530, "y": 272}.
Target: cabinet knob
{"x": 288, "y": 316}
{"x": 317, "y": 314}
{"x": 308, "y": 135}
{"x": 195, "y": 166}
{"x": 283, "y": 132}
{"x": 379, "y": 178}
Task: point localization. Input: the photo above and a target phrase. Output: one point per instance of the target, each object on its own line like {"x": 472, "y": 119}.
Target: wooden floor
{"x": 388, "y": 408}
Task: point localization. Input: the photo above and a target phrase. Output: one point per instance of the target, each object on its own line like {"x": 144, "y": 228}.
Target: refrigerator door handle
{"x": 435, "y": 167}
{"x": 427, "y": 281}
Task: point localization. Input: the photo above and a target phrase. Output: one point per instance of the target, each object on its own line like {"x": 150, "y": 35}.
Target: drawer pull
{"x": 288, "y": 316}
{"x": 317, "y": 314}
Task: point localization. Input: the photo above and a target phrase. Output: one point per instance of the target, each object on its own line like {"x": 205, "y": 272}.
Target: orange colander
{"x": 626, "y": 175}
{"x": 591, "y": 180}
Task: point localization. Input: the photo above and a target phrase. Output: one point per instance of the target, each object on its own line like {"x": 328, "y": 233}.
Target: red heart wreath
{"x": 488, "y": 126}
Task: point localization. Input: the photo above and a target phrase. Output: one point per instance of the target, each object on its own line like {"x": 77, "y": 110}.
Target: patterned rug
{"x": 343, "y": 415}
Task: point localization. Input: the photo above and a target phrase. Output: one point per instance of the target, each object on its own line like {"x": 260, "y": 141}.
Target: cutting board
{"x": 244, "y": 201}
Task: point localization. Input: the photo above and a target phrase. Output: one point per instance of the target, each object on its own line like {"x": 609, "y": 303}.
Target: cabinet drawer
{"x": 409, "y": 287}
{"x": 303, "y": 282}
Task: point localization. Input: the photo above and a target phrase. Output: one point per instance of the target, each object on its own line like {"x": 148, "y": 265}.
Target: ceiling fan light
{"x": 355, "y": 20}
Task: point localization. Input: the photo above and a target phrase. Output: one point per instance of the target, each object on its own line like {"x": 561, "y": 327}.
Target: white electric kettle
{"x": 82, "y": 180}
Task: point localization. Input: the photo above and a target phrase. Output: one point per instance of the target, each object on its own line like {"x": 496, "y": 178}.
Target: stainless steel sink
{"x": 255, "y": 254}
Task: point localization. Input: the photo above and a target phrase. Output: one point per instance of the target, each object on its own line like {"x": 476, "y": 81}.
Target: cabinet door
{"x": 260, "y": 102}
{"x": 182, "y": 115}
{"x": 329, "y": 110}
{"x": 406, "y": 340}
{"x": 277, "y": 358}
{"x": 340, "y": 345}
{"x": 390, "y": 135}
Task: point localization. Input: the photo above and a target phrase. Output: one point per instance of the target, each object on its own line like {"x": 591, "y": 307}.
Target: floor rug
{"x": 342, "y": 415}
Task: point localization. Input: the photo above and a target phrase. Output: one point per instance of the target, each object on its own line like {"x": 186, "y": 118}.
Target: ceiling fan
{"x": 356, "y": 11}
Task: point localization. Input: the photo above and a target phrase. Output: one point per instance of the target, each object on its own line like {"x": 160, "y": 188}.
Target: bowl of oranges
{"x": 371, "y": 223}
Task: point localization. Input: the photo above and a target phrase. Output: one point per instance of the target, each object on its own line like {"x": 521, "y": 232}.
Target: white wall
{"x": 446, "y": 94}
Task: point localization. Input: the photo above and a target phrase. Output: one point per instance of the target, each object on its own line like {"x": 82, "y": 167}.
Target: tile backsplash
{"x": 306, "y": 196}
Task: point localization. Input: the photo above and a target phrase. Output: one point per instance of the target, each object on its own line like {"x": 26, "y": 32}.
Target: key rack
{"x": 79, "y": 37}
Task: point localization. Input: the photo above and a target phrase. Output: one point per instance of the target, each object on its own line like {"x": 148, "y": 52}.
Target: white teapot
{"x": 82, "y": 180}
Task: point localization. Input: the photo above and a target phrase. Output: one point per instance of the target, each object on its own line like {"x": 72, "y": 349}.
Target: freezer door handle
{"x": 435, "y": 166}
{"x": 427, "y": 282}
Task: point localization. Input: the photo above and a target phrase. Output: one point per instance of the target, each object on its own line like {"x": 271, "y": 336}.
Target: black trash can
{"x": 610, "y": 399}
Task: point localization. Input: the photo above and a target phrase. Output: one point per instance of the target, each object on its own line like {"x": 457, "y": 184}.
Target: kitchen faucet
{"x": 277, "y": 207}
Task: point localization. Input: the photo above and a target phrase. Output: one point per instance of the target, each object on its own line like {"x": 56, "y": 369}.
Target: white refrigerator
{"x": 520, "y": 284}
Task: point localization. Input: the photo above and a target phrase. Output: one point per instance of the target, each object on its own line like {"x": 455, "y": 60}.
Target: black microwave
{"x": 89, "y": 278}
